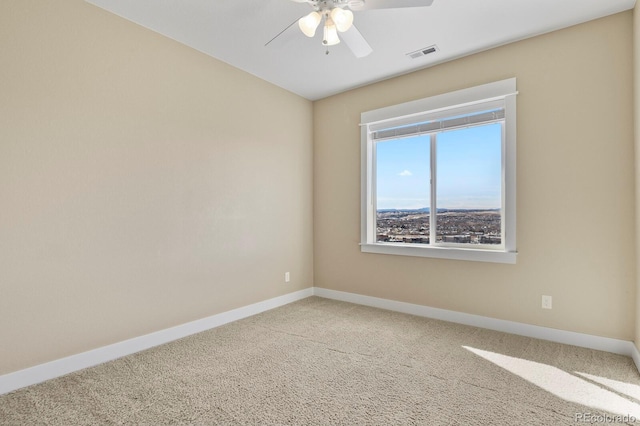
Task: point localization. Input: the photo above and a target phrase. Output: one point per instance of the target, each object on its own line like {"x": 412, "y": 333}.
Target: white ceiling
{"x": 236, "y": 31}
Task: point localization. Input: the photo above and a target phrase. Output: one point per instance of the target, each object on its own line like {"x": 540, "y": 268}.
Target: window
{"x": 438, "y": 176}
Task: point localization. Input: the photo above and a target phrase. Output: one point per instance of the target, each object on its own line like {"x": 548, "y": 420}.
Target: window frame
{"x": 441, "y": 106}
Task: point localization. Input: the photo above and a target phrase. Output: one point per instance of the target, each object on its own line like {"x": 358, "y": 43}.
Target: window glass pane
{"x": 403, "y": 190}
{"x": 469, "y": 185}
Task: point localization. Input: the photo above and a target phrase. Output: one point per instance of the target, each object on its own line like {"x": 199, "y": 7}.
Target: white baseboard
{"x": 622, "y": 347}
{"x": 40, "y": 373}
{"x": 635, "y": 355}
{"x": 50, "y": 370}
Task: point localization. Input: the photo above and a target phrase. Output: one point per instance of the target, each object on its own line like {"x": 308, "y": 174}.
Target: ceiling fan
{"x": 338, "y": 20}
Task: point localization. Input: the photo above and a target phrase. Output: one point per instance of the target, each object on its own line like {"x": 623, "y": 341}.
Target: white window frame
{"x": 426, "y": 109}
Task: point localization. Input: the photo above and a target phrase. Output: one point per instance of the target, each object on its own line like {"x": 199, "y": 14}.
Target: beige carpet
{"x": 322, "y": 362}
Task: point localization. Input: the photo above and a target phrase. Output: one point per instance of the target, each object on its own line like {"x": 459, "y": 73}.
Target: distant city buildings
{"x": 460, "y": 239}
{"x": 453, "y": 226}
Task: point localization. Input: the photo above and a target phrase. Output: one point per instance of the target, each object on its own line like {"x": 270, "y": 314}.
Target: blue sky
{"x": 469, "y": 170}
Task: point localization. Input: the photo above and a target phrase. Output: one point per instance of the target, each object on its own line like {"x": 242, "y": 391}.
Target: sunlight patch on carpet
{"x": 629, "y": 389}
{"x": 568, "y": 386}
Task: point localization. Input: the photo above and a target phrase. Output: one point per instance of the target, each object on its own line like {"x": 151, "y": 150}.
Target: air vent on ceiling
{"x": 423, "y": 52}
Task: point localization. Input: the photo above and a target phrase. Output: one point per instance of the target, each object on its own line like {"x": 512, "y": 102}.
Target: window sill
{"x": 495, "y": 256}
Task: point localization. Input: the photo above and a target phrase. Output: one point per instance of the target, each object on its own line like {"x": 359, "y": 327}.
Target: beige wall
{"x": 575, "y": 187}
{"x": 142, "y": 184}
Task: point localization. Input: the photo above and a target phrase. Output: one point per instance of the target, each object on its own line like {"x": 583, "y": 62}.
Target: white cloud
{"x": 405, "y": 173}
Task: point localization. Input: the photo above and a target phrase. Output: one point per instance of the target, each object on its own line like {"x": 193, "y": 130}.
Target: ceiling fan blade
{"x": 356, "y": 42}
{"x": 390, "y": 4}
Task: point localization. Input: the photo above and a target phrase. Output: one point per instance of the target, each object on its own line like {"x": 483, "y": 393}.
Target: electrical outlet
{"x": 547, "y": 302}
{"x": 287, "y": 277}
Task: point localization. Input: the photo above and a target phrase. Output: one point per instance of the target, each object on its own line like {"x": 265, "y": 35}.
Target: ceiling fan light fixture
{"x": 330, "y": 33}
{"x": 309, "y": 23}
{"x": 343, "y": 19}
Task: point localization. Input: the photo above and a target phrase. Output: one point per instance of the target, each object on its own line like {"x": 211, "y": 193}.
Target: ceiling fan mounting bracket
{"x": 327, "y": 5}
